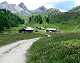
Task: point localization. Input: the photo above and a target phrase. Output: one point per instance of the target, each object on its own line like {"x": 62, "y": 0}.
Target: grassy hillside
{"x": 64, "y": 21}
{"x": 60, "y": 48}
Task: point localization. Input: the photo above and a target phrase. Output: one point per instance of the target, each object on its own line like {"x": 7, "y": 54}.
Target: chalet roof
{"x": 42, "y": 28}
{"x": 51, "y": 29}
{"x": 29, "y": 28}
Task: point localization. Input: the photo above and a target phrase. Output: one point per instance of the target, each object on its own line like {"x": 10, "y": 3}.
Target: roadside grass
{"x": 60, "y": 48}
{"x": 10, "y": 38}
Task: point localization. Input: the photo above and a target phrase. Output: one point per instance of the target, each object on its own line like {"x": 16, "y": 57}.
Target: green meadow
{"x": 60, "y": 48}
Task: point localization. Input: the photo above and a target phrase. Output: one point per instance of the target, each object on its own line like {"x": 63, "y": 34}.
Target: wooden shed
{"x": 51, "y": 30}
{"x": 26, "y": 30}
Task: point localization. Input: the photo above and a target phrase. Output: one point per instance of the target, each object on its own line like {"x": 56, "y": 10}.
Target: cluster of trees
{"x": 36, "y": 19}
{"x": 8, "y": 20}
{"x": 57, "y": 17}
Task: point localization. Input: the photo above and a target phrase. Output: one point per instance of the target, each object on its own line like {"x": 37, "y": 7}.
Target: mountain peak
{"x": 22, "y": 3}
{"x": 41, "y": 9}
{"x": 5, "y": 2}
{"x": 23, "y": 6}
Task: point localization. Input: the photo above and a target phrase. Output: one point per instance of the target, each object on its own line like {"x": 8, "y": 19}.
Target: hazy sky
{"x": 33, "y": 4}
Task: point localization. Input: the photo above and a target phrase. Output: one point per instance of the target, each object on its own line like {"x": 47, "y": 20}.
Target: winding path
{"x": 16, "y": 52}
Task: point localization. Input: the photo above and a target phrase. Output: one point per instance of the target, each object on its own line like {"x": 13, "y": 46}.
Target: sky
{"x": 63, "y": 5}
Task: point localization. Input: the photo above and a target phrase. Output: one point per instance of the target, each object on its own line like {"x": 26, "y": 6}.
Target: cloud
{"x": 76, "y": 2}
{"x": 33, "y": 4}
{"x": 62, "y": 5}
{"x": 66, "y": 5}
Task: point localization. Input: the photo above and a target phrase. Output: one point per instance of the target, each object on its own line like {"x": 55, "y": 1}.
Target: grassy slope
{"x": 70, "y": 25}
{"x": 60, "y": 48}
{"x": 66, "y": 22}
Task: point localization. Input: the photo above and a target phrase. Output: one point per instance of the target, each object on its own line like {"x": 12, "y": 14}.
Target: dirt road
{"x": 15, "y": 53}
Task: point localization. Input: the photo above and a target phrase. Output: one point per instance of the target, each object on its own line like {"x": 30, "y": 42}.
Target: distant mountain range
{"x": 20, "y": 9}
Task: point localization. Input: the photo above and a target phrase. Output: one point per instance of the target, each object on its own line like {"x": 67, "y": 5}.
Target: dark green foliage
{"x": 36, "y": 19}
{"x": 47, "y": 19}
{"x": 66, "y": 17}
{"x": 7, "y": 20}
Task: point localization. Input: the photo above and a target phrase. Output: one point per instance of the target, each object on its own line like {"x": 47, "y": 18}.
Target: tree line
{"x": 52, "y": 18}
{"x": 8, "y": 20}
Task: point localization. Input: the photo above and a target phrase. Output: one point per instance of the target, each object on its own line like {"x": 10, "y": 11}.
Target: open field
{"x": 60, "y": 48}
{"x": 10, "y": 38}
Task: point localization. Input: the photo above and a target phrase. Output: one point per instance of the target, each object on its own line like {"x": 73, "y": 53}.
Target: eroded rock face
{"x": 25, "y": 9}
{"x": 53, "y": 10}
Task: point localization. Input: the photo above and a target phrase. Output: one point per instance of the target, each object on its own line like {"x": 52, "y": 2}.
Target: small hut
{"x": 25, "y": 30}
{"x": 51, "y": 30}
